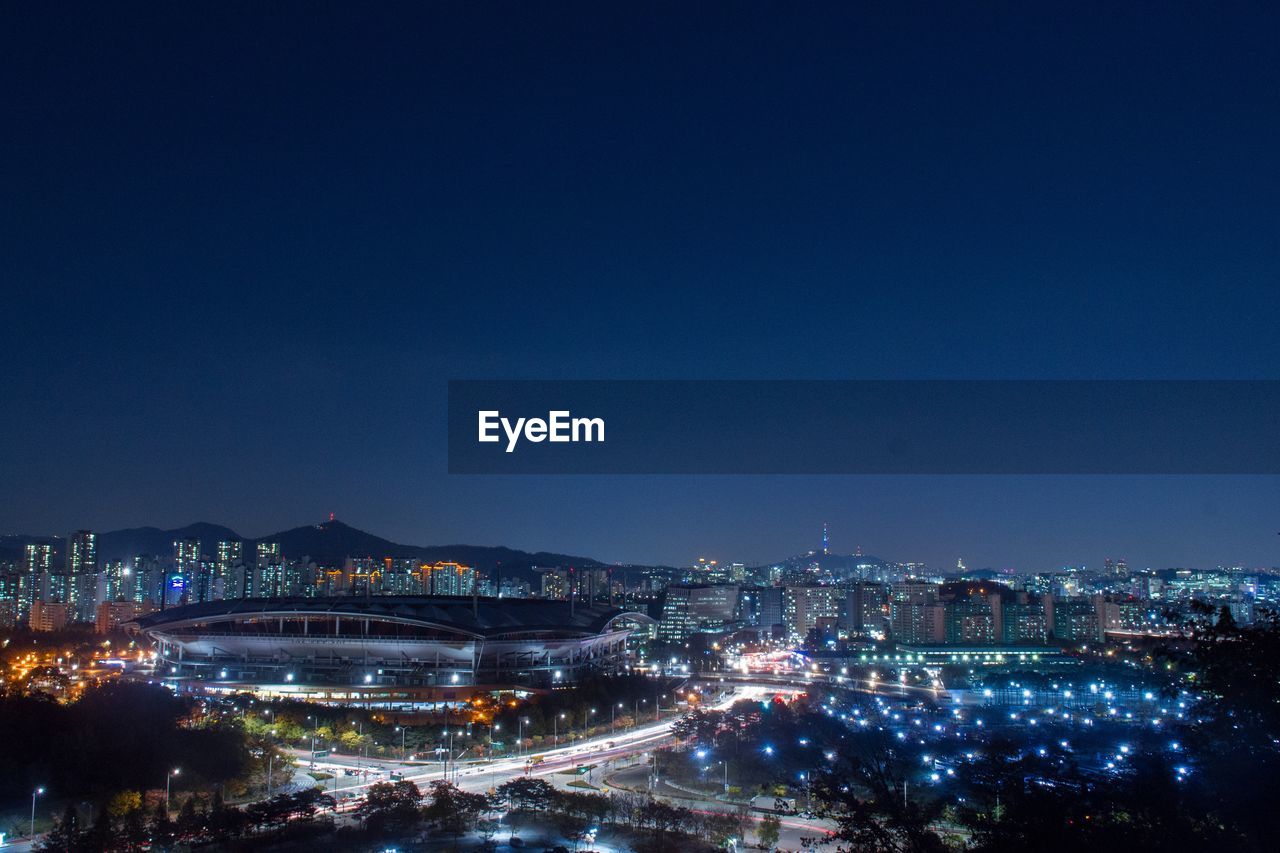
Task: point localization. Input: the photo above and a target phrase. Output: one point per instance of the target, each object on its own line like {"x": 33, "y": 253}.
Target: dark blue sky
{"x": 244, "y": 249}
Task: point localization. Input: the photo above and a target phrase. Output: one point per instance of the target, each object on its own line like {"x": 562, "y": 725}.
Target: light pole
{"x": 523, "y": 720}
{"x": 613, "y": 718}
{"x": 168, "y": 779}
{"x": 493, "y": 727}
{"x": 556, "y": 727}
{"x": 401, "y": 729}
{"x": 37, "y": 792}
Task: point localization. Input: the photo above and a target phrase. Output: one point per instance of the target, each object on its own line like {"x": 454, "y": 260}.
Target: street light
{"x": 167, "y": 779}
{"x": 448, "y": 758}
{"x": 523, "y": 720}
{"x": 613, "y": 718}
{"x": 556, "y": 724}
{"x": 37, "y": 792}
{"x": 401, "y": 730}
{"x": 314, "y": 725}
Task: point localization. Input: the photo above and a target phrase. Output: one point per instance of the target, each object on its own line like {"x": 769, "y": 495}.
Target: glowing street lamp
{"x": 37, "y": 792}
{"x": 167, "y": 780}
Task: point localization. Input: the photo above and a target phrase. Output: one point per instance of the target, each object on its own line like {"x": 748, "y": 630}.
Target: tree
{"x": 65, "y": 835}
{"x": 190, "y": 823}
{"x": 865, "y": 798}
{"x": 718, "y": 828}
{"x": 662, "y": 820}
{"x": 527, "y": 794}
{"x": 453, "y": 811}
{"x": 488, "y": 828}
{"x": 161, "y": 826}
{"x": 768, "y": 831}
{"x": 1237, "y": 670}
{"x": 391, "y": 806}
{"x": 133, "y": 830}
{"x": 123, "y": 802}
{"x": 227, "y": 822}
{"x": 99, "y": 836}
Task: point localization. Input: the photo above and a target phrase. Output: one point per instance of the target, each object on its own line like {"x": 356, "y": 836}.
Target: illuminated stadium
{"x": 385, "y": 649}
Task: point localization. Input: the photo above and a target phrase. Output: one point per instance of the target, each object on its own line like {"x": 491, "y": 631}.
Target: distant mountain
{"x": 329, "y": 543}
{"x": 124, "y": 544}
{"x": 333, "y": 541}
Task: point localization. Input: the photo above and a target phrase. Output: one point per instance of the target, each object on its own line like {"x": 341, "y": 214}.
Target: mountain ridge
{"x": 328, "y": 543}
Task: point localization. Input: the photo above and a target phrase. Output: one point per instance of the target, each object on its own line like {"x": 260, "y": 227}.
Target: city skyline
{"x": 821, "y": 544}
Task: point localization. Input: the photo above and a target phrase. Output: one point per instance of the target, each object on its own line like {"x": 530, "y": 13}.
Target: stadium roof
{"x": 479, "y": 617}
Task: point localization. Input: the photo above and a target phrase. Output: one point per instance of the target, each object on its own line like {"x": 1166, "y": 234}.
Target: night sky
{"x": 243, "y": 249}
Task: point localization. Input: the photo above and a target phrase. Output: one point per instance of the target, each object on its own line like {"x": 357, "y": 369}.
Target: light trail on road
{"x": 480, "y": 776}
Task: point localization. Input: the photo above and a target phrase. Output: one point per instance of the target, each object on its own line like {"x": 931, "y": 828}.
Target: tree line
{"x": 117, "y": 830}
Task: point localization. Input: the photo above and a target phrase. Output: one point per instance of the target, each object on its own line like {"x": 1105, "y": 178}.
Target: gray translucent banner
{"x": 864, "y": 427}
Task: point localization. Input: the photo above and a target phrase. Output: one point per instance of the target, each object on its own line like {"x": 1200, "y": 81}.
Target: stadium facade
{"x": 385, "y": 648}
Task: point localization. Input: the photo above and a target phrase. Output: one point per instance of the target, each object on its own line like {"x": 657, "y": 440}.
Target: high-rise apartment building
{"x": 82, "y": 552}
{"x": 688, "y": 609}
{"x": 268, "y": 575}
{"x": 37, "y": 558}
{"x": 865, "y": 606}
{"x": 447, "y": 578}
{"x": 186, "y": 558}
{"x": 915, "y": 617}
{"x": 809, "y": 607}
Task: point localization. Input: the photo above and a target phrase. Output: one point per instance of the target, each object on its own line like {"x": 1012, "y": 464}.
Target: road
{"x": 483, "y": 775}
{"x": 607, "y": 753}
